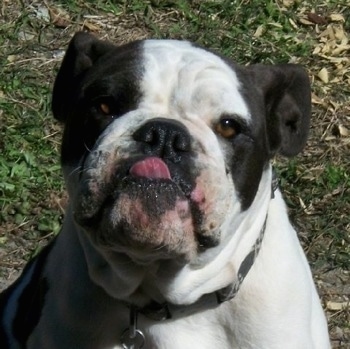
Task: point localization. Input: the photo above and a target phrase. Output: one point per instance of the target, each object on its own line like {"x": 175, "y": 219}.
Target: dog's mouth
{"x": 152, "y": 168}
{"x": 147, "y": 210}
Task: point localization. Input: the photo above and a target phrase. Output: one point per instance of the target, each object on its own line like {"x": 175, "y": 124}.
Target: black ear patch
{"x": 287, "y": 95}
{"x": 83, "y": 50}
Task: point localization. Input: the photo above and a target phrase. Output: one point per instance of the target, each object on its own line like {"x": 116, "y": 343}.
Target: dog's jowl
{"x": 176, "y": 235}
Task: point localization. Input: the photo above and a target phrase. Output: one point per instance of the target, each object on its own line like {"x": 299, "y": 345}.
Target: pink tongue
{"x": 151, "y": 167}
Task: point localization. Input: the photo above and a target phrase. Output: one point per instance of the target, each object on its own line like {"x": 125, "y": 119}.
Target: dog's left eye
{"x": 227, "y": 128}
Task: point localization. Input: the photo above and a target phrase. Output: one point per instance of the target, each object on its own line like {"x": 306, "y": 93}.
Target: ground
{"x": 33, "y": 37}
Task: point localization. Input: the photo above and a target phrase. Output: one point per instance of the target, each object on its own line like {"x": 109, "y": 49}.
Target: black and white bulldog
{"x": 176, "y": 236}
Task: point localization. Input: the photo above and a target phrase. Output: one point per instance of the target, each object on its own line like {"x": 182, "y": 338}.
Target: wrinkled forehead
{"x": 181, "y": 78}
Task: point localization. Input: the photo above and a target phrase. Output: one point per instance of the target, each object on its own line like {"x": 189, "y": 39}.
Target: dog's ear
{"x": 83, "y": 50}
{"x": 287, "y": 96}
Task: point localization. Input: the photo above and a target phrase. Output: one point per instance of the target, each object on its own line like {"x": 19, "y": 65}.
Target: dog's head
{"x": 165, "y": 143}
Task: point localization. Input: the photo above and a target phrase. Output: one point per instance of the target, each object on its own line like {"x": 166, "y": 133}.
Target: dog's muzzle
{"x": 148, "y": 203}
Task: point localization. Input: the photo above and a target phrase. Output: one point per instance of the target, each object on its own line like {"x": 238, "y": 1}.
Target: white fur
{"x": 277, "y": 306}
{"x": 189, "y": 83}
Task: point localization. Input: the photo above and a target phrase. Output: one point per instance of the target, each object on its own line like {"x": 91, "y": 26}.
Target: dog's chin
{"x": 148, "y": 219}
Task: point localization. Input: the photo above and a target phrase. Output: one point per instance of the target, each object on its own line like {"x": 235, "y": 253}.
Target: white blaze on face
{"x": 191, "y": 85}
{"x": 197, "y": 88}
{"x": 188, "y": 82}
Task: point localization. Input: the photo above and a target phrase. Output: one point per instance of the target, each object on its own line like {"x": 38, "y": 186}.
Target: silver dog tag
{"x": 132, "y": 337}
{"x": 131, "y": 340}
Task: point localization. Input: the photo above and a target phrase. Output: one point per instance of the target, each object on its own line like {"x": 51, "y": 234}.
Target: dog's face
{"x": 165, "y": 143}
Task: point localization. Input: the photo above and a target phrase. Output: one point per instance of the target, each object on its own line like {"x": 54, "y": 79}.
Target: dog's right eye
{"x": 227, "y": 128}
{"x": 104, "y": 106}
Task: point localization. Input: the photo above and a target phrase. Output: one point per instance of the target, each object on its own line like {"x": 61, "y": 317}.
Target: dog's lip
{"x": 151, "y": 167}
{"x": 143, "y": 172}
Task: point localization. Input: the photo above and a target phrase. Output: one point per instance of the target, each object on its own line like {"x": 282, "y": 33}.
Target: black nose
{"x": 165, "y": 138}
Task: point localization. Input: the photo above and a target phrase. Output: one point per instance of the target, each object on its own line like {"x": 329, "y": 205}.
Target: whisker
{"x": 76, "y": 170}
{"x": 87, "y": 148}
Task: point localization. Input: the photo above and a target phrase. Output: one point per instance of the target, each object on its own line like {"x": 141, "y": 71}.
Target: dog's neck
{"x": 157, "y": 311}
{"x": 165, "y": 311}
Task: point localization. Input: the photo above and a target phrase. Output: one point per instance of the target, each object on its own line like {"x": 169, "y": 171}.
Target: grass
{"x": 316, "y": 184}
{"x": 29, "y": 161}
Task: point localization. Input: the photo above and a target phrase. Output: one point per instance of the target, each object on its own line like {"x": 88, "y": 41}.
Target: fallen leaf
{"x": 302, "y": 203}
{"x": 339, "y": 33}
{"x": 288, "y": 3}
{"x": 328, "y": 33}
{"x": 339, "y": 49}
{"x": 42, "y": 13}
{"x": 305, "y": 21}
{"x": 323, "y": 75}
{"x": 343, "y": 131}
{"x": 60, "y": 22}
{"x": 59, "y": 18}
{"x": 259, "y": 31}
{"x": 276, "y": 25}
{"x": 330, "y": 138}
{"x": 318, "y": 100}
{"x": 336, "y": 17}
{"x": 293, "y": 24}
{"x": 24, "y": 35}
{"x": 317, "y": 50}
{"x": 336, "y": 306}
{"x": 11, "y": 58}
{"x": 91, "y": 26}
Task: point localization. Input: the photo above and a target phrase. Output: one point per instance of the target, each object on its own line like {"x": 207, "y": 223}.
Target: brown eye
{"x": 104, "y": 105}
{"x": 105, "y": 109}
{"x": 227, "y": 128}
